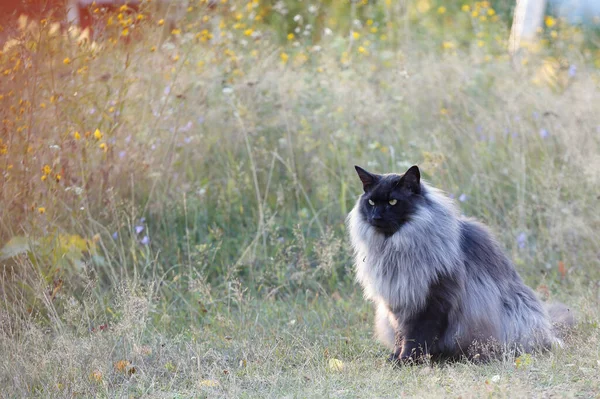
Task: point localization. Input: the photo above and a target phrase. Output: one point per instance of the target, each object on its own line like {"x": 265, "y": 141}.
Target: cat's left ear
{"x": 367, "y": 179}
{"x": 412, "y": 179}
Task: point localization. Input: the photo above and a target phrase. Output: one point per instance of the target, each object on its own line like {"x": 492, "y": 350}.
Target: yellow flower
{"x": 47, "y": 169}
{"x": 466, "y": 8}
{"x": 362, "y": 50}
{"x": 284, "y": 57}
{"x": 554, "y": 34}
{"x": 369, "y": 22}
{"x": 123, "y": 8}
{"x": 125, "y": 32}
{"x": 444, "y": 111}
{"x": 152, "y": 49}
{"x": 41, "y": 210}
{"x": 58, "y": 177}
{"x": 140, "y": 17}
{"x": 447, "y": 45}
{"x": 176, "y": 32}
{"x": 76, "y": 135}
{"x": 44, "y": 177}
{"x": 373, "y": 29}
{"x": 98, "y": 134}
{"x": 355, "y": 35}
{"x": 161, "y": 22}
{"x": 550, "y": 21}
{"x": 103, "y": 147}
{"x": 67, "y": 61}
{"x": 480, "y": 43}
{"x": 109, "y": 21}
{"x": 248, "y": 32}
{"x": 483, "y": 18}
{"x": 238, "y": 16}
{"x": 491, "y": 12}
{"x": 441, "y": 10}
{"x": 290, "y": 36}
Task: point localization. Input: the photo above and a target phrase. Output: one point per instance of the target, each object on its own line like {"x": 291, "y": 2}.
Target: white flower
{"x": 327, "y": 32}
{"x": 312, "y": 9}
{"x": 298, "y": 18}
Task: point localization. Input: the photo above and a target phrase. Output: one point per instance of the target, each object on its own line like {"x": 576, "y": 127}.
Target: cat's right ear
{"x": 367, "y": 179}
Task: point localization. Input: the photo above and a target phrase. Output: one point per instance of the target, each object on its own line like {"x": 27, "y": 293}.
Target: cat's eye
{"x": 393, "y": 202}
{"x": 371, "y": 202}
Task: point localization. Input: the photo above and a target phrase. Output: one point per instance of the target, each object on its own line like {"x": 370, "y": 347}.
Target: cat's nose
{"x": 377, "y": 217}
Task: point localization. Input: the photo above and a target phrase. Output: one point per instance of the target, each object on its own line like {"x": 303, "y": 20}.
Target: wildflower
{"x": 362, "y": 50}
{"x": 176, "y": 32}
{"x": 572, "y": 70}
{"x": 103, "y": 147}
{"x": 76, "y": 135}
{"x": 554, "y": 34}
{"x": 145, "y": 240}
{"x": 466, "y": 8}
{"x": 550, "y": 21}
{"x": 369, "y": 22}
{"x": 125, "y": 32}
{"x": 152, "y": 49}
{"x": 290, "y": 36}
{"x": 96, "y": 376}
{"x": 161, "y": 22}
{"x": 41, "y": 210}
{"x": 491, "y": 12}
{"x": 122, "y": 365}
{"x": 47, "y": 169}
{"x": 544, "y": 133}
{"x": 123, "y": 8}
{"x": 248, "y": 32}
{"x": 355, "y": 35}
{"x": 139, "y": 17}
{"x": 373, "y": 29}
{"x": 139, "y": 229}
{"x": 284, "y": 57}
{"x": 447, "y": 45}
{"x": 58, "y": 177}
{"x": 441, "y": 10}
{"x": 521, "y": 240}
{"x": 115, "y": 235}
{"x": 67, "y": 61}
{"x": 44, "y": 177}
{"x": 480, "y": 43}
{"x": 463, "y": 197}
{"x": 98, "y": 134}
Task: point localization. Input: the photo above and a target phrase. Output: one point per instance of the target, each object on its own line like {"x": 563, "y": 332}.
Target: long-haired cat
{"x": 441, "y": 284}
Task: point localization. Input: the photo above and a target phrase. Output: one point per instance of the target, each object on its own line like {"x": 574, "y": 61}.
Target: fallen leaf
{"x": 336, "y": 365}
{"x": 209, "y": 383}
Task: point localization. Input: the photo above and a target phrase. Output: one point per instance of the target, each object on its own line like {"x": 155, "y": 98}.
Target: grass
{"x": 172, "y": 202}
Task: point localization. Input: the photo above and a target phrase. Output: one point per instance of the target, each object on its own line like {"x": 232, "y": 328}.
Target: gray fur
{"x": 491, "y": 302}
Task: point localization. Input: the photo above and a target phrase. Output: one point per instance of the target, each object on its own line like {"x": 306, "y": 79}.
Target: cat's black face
{"x": 390, "y": 200}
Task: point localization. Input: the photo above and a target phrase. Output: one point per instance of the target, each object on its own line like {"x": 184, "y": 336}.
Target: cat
{"x": 440, "y": 282}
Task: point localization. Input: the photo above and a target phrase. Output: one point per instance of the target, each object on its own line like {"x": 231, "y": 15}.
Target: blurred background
{"x": 198, "y": 156}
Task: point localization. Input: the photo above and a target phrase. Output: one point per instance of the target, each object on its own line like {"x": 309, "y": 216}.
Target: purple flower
{"x": 188, "y": 140}
{"x": 115, "y": 235}
{"x": 92, "y": 111}
{"x": 167, "y": 90}
{"x": 462, "y": 198}
{"x": 122, "y": 154}
{"x": 187, "y": 127}
{"x": 145, "y": 240}
{"x": 142, "y": 220}
{"x": 200, "y": 120}
{"x": 139, "y": 229}
{"x": 572, "y": 70}
{"x": 451, "y": 195}
{"x": 521, "y": 240}
{"x": 543, "y": 133}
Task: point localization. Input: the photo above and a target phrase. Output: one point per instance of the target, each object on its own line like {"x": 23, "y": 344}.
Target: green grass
{"x": 198, "y": 237}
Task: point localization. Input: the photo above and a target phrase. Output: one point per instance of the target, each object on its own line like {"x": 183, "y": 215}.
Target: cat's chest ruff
{"x": 395, "y": 277}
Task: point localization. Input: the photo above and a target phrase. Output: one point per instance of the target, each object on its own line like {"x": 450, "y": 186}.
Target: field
{"x": 173, "y": 194}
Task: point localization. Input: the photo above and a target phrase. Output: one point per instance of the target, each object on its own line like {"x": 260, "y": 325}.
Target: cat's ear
{"x": 367, "y": 179}
{"x": 412, "y": 179}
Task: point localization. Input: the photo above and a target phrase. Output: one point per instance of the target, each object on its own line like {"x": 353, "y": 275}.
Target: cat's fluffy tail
{"x": 562, "y": 317}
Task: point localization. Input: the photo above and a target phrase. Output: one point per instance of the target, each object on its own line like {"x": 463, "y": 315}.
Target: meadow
{"x": 173, "y": 193}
